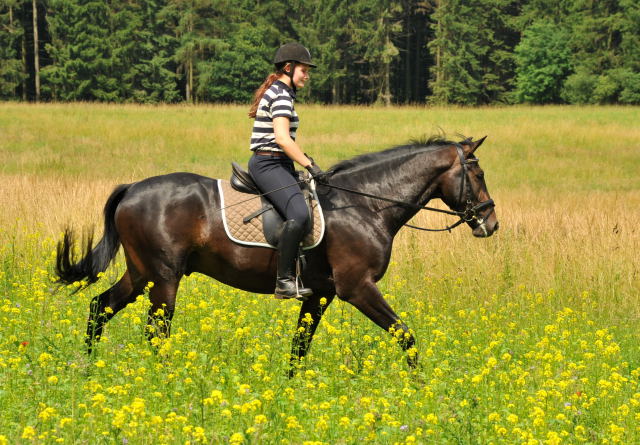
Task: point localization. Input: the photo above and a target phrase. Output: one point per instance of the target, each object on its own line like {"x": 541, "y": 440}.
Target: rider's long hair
{"x": 257, "y": 96}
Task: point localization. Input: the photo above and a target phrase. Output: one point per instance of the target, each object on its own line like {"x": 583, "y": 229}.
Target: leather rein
{"x": 470, "y": 213}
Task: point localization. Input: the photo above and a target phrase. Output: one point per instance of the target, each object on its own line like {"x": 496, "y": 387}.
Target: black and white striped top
{"x": 276, "y": 102}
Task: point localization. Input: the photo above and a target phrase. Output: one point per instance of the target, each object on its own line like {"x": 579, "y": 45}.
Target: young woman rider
{"x": 274, "y": 152}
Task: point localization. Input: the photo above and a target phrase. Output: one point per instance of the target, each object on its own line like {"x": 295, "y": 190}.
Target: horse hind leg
{"x": 105, "y": 306}
{"x": 163, "y": 302}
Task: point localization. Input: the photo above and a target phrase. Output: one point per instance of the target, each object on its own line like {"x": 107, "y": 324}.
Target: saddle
{"x": 256, "y": 222}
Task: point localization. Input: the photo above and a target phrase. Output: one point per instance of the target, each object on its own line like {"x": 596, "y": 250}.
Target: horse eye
{"x": 481, "y": 175}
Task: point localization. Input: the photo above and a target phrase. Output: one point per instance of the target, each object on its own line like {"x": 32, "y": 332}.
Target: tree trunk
{"x": 407, "y": 67}
{"x": 25, "y": 71}
{"x": 36, "y": 50}
{"x": 334, "y": 92}
{"x": 439, "y": 54}
{"x": 190, "y": 81}
{"x": 418, "y": 66}
{"x": 387, "y": 82}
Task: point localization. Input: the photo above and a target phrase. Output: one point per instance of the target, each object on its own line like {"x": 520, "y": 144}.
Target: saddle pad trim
{"x": 255, "y": 244}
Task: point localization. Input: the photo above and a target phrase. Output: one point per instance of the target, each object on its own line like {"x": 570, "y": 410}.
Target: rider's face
{"x": 301, "y": 75}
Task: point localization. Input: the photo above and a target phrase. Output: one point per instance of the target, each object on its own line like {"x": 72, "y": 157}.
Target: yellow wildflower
{"x": 28, "y": 433}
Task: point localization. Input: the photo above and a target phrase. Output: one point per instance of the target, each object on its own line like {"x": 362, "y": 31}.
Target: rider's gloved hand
{"x": 316, "y": 173}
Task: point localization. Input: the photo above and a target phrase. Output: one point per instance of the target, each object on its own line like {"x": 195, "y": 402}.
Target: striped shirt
{"x": 276, "y": 102}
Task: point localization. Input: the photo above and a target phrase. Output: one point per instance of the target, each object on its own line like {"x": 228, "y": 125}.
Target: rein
{"x": 470, "y": 213}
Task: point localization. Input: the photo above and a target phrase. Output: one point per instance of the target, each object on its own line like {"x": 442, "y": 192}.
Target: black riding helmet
{"x": 292, "y": 53}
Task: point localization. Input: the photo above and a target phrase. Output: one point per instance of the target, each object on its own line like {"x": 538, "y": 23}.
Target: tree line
{"x": 367, "y": 51}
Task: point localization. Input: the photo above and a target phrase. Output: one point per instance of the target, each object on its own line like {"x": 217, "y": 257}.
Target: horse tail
{"x": 94, "y": 260}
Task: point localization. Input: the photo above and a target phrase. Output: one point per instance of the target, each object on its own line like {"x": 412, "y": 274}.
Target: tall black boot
{"x": 286, "y": 286}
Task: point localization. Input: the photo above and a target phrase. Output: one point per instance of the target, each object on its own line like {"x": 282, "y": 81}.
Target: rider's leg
{"x": 278, "y": 174}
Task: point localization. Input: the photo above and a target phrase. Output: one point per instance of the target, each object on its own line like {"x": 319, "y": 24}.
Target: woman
{"x": 275, "y": 149}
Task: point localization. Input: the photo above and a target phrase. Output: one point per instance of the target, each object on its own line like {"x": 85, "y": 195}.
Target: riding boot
{"x": 286, "y": 286}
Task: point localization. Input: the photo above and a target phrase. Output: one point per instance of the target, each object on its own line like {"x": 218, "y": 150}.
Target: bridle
{"x": 469, "y": 214}
{"x": 471, "y": 211}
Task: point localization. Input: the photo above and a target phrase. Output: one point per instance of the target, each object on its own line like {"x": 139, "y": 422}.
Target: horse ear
{"x": 474, "y": 145}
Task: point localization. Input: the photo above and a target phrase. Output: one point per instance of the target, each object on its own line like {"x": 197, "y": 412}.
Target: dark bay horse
{"x": 170, "y": 226}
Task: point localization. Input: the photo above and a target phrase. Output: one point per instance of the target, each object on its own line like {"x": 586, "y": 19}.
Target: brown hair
{"x": 264, "y": 87}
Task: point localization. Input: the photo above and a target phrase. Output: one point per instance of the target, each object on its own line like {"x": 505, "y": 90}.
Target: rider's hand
{"x": 316, "y": 173}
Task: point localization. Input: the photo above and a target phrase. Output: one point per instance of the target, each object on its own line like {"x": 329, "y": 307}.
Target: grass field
{"x": 526, "y": 337}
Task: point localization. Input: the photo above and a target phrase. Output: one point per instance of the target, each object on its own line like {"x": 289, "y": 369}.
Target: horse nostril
{"x": 497, "y": 226}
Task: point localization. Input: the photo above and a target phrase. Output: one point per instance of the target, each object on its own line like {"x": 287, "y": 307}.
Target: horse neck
{"x": 411, "y": 178}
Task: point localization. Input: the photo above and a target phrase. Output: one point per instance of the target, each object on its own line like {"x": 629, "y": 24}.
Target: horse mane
{"x": 414, "y": 146}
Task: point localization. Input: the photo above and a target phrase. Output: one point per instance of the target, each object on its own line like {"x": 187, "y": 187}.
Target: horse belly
{"x": 252, "y": 269}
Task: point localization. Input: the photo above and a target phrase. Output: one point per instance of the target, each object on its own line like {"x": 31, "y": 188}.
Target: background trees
{"x": 368, "y": 51}
{"x": 11, "y": 37}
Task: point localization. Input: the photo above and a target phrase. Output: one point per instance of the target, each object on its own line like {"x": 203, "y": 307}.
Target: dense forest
{"x": 367, "y": 51}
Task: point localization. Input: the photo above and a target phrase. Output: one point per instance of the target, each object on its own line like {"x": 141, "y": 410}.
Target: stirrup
{"x": 291, "y": 290}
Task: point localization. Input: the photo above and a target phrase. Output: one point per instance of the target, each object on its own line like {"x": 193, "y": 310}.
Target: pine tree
{"x": 455, "y": 74}
{"x": 320, "y": 26}
{"x": 373, "y": 27}
{"x": 199, "y": 26}
{"x": 473, "y": 51}
{"x": 604, "y": 43}
{"x": 143, "y": 49}
{"x": 238, "y": 69}
{"x": 81, "y": 51}
{"x": 11, "y": 34}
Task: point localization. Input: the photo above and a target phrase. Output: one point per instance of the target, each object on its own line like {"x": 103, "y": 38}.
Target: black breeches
{"x": 274, "y": 173}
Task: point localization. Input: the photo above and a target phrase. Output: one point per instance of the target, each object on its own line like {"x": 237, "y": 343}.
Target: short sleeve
{"x": 282, "y": 106}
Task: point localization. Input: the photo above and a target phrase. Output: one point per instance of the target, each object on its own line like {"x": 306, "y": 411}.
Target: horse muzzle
{"x": 483, "y": 228}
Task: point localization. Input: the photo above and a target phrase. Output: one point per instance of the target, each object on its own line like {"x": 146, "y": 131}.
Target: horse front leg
{"x": 311, "y": 312}
{"x": 368, "y": 299}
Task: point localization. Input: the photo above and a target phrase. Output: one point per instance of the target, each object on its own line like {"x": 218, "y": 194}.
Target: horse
{"x": 170, "y": 226}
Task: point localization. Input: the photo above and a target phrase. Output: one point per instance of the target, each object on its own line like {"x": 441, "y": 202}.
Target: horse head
{"x": 462, "y": 188}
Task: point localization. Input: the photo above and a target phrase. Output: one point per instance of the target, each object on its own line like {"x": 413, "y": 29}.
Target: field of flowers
{"x": 528, "y": 337}
{"x": 493, "y": 371}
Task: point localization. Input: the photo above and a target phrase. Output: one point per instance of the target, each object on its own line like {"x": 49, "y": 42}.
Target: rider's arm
{"x": 283, "y": 139}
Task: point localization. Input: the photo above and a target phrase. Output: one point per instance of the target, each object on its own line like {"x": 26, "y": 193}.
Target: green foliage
{"x": 578, "y": 88}
{"x": 199, "y": 26}
{"x": 11, "y": 33}
{"x": 231, "y": 76}
{"x": 630, "y": 82}
{"x": 542, "y": 59}
{"x": 372, "y": 35}
{"x": 472, "y": 48}
{"x": 143, "y": 53}
{"x": 455, "y": 53}
{"x": 319, "y": 24}
{"x": 618, "y": 85}
{"x": 82, "y": 52}
{"x": 630, "y": 34}
{"x": 367, "y": 51}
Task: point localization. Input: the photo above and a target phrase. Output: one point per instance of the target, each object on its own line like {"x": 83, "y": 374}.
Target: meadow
{"x": 530, "y": 336}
